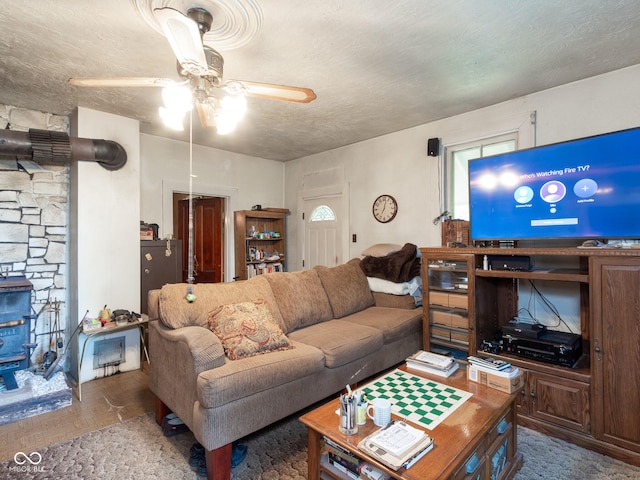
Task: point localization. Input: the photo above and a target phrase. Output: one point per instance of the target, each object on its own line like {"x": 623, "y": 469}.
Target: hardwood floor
{"x": 105, "y": 401}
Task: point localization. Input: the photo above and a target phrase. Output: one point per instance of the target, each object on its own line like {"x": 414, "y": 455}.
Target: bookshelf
{"x": 260, "y": 242}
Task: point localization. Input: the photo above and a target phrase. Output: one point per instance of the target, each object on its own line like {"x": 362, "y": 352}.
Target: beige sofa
{"x": 339, "y": 332}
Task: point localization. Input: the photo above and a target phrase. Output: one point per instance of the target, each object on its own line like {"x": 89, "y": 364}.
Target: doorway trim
{"x": 230, "y": 195}
{"x": 340, "y": 190}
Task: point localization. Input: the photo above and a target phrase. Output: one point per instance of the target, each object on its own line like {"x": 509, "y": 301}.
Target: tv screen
{"x": 585, "y": 188}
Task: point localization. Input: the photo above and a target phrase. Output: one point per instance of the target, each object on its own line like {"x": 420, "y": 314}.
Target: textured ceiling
{"x": 376, "y": 66}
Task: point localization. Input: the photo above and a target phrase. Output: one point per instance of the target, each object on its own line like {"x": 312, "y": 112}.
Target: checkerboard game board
{"x": 419, "y": 400}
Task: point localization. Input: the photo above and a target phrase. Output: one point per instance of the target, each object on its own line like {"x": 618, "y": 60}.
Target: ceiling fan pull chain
{"x": 190, "y": 276}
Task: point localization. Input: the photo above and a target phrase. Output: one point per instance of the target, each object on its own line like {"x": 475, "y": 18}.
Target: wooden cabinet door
{"x": 448, "y": 289}
{"x": 558, "y": 400}
{"x": 615, "y": 350}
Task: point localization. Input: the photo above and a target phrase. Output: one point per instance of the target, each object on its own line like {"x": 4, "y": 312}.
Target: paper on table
{"x": 397, "y": 438}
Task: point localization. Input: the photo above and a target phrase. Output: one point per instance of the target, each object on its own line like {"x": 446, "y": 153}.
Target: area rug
{"x": 137, "y": 449}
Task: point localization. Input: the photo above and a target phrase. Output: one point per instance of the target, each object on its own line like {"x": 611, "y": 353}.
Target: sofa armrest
{"x": 177, "y": 357}
{"x": 204, "y": 347}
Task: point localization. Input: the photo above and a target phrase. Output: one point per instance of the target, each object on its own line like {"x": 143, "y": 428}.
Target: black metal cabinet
{"x": 161, "y": 263}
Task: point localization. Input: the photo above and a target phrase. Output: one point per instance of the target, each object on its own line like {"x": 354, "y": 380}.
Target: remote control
{"x": 488, "y": 362}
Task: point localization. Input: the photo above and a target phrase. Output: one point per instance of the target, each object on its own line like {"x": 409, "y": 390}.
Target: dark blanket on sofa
{"x": 397, "y": 267}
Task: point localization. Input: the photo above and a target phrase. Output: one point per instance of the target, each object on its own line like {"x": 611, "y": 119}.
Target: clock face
{"x": 385, "y": 208}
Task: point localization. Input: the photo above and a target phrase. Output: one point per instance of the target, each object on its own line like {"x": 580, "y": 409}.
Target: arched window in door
{"x": 322, "y": 213}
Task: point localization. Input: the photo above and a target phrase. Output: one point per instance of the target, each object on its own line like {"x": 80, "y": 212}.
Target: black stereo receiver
{"x": 560, "y": 348}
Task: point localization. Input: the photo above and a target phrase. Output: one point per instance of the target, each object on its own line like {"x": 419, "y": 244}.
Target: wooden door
{"x": 615, "y": 350}
{"x": 208, "y": 234}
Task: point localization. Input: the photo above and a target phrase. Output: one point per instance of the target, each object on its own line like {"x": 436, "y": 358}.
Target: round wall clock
{"x": 385, "y": 208}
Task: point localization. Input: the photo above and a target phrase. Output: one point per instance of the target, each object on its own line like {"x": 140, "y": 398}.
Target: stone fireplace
{"x": 70, "y": 229}
{"x": 33, "y": 228}
{"x": 34, "y": 212}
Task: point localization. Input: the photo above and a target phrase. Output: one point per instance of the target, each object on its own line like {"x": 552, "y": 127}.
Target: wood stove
{"x": 15, "y": 325}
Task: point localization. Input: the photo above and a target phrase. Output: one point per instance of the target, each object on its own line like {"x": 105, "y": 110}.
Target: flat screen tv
{"x": 587, "y": 188}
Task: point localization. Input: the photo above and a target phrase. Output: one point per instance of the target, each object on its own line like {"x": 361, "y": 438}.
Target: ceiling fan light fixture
{"x": 177, "y": 98}
{"x": 225, "y": 123}
{"x": 172, "y": 119}
{"x": 185, "y": 40}
{"x": 234, "y": 105}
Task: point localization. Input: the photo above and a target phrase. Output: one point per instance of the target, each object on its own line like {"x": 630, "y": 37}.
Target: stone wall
{"x": 34, "y": 210}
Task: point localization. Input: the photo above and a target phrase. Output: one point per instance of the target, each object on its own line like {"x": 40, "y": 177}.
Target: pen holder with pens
{"x": 348, "y": 425}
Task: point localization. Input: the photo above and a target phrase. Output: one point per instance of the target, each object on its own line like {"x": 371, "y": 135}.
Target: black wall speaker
{"x": 433, "y": 147}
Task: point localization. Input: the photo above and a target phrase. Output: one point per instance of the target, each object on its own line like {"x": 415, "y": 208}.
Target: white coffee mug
{"x": 381, "y": 411}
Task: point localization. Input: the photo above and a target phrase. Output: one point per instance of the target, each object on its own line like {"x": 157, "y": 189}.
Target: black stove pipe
{"x": 45, "y": 146}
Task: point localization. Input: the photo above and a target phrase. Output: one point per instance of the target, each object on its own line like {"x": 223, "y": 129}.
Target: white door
{"x": 323, "y": 236}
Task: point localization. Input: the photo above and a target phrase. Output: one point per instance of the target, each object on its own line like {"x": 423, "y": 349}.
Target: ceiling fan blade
{"x": 278, "y": 92}
{"x": 184, "y": 37}
{"x": 121, "y": 82}
{"x": 206, "y": 112}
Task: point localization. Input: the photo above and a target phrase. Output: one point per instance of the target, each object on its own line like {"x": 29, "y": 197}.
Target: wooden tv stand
{"x": 595, "y": 403}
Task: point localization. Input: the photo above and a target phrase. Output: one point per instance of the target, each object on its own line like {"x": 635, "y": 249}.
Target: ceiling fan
{"x": 220, "y": 104}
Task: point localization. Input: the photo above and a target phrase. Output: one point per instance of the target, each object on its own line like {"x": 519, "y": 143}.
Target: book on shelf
{"x": 429, "y": 362}
{"x": 397, "y": 445}
{"x": 341, "y": 459}
{"x": 336, "y": 450}
{"x": 262, "y": 268}
{"x": 345, "y": 458}
{"x": 423, "y": 367}
{"x": 338, "y": 466}
{"x": 335, "y": 459}
{"x": 370, "y": 472}
{"x": 433, "y": 360}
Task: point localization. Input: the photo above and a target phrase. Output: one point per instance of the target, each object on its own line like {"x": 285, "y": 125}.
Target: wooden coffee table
{"x": 474, "y": 442}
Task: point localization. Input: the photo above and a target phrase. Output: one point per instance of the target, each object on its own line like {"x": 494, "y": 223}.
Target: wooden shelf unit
{"x": 448, "y": 304}
{"x": 595, "y": 403}
{"x": 266, "y": 223}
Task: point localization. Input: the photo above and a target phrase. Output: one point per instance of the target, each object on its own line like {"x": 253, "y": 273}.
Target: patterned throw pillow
{"x": 247, "y": 329}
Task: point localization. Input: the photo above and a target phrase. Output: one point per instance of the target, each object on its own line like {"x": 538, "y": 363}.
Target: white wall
{"x": 105, "y": 220}
{"x": 243, "y": 180}
{"x": 104, "y": 226}
{"x": 398, "y": 163}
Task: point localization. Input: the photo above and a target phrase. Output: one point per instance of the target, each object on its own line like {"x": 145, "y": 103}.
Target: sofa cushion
{"x": 393, "y": 323}
{"x": 347, "y": 287}
{"x": 406, "y": 302}
{"x": 175, "y": 311}
{"x": 260, "y": 373}
{"x": 247, "y": 329}
{"x": 301, "y": 298}
{"x": 341, "y": 342}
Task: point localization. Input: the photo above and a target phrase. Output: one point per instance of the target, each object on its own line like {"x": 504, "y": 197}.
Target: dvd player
{"x": 559, "y": 348}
